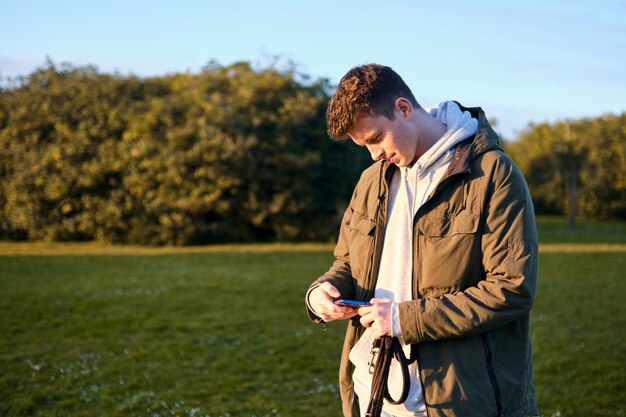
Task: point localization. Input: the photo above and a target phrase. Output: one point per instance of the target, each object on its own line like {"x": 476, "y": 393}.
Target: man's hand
{"x": 378, "y": 317}
{"x": 321, "y": 300}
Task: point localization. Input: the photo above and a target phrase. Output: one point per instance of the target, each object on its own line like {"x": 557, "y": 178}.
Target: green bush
{"x": 232, "y": 153}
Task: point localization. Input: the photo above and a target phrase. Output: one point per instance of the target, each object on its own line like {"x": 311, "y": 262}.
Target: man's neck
{"x": 429, "y": 132}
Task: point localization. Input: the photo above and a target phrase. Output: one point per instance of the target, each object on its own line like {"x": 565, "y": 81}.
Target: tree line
{"x": 232, "y": 153}
{"x": 229, "y": 154}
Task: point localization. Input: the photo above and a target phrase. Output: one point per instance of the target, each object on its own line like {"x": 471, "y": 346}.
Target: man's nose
{"x": 376, "y": 152}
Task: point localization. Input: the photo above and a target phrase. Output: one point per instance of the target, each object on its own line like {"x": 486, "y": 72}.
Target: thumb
{"x": 331, "y": 290}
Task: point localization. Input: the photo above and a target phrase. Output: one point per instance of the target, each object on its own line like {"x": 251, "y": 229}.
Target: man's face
{"x": 391, "y": 140}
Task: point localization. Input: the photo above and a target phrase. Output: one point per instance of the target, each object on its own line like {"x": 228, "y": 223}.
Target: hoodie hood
{"x": 460, "y": 126}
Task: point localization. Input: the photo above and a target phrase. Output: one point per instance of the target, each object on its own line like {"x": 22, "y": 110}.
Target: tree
{"x": 575, "y": 166}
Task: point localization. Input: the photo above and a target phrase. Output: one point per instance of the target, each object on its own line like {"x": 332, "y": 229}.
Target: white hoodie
{"x": 409, "y": 189}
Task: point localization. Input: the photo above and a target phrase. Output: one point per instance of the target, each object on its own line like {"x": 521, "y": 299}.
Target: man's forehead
{"x": 365, "y": 125}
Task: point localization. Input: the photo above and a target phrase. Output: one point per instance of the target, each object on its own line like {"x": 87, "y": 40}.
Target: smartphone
{"x": 352, "y": 303}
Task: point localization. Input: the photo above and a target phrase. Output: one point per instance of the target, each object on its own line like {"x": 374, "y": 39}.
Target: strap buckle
{"x": 372, "y": 362}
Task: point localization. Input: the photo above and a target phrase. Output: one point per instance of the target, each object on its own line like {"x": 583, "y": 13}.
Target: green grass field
{"x": 224, "y": 333}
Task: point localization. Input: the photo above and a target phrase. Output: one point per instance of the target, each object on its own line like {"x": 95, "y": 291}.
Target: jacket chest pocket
{"x": 449, "y": 253}
{"x": 447, "y": 226}
{"x": 361, "y": 243}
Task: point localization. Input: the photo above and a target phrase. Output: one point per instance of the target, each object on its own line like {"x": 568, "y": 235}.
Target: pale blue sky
{"x": 522, "y": 61}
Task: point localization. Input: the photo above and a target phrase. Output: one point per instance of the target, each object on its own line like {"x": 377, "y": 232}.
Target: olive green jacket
{"x": 474, "y": 280}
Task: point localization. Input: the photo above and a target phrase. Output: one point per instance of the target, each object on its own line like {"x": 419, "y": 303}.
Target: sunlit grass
{"x": 224, "y": 333}
{"x": 199, "y": 334}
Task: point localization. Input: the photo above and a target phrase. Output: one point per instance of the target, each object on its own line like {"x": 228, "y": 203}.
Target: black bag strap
{"x": 388, "y": 348}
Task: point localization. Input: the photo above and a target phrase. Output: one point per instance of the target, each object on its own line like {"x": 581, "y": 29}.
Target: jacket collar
{"x": 485, "y": 139}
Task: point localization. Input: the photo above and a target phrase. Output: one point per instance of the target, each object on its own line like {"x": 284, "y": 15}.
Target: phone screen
{"x": 352, "y": 303}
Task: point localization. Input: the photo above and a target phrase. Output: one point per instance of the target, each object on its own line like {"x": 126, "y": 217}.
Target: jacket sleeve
{"x": 509, "y": 259}
{"x": 340, "y": 273}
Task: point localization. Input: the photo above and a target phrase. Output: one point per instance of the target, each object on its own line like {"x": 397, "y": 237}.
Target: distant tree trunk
{"x": 571, "y": 184}
{"x": 569, "y": 157}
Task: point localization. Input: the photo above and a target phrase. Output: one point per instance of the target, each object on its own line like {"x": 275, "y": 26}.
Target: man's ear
{"x": 405, "y": 107}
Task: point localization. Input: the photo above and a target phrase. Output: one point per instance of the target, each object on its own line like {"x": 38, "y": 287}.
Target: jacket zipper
{"x": 370, "y": 257}
{"x": 492, "y": 374}
{"x": 440, "y": 185}
{"x": 449, "y": 175}
{"x": 374, "y": 249}
{"x": 416, "y": 292}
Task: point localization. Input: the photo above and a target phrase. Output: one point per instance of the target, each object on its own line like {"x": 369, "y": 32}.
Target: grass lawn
{"x": 555, "y": 230}
{"x": 224, "y": 333}
{"x": 219, "y": 334}
{"x": 578, "y": 334}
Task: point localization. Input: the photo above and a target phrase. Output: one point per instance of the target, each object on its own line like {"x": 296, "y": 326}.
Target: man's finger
{"x": 365, "y": 310}
{"x": 366, "y": 320}
{"x": 330, "y": 289}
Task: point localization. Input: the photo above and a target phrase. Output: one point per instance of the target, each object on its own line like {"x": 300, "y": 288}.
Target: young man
{"x": 440, "y": 235}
